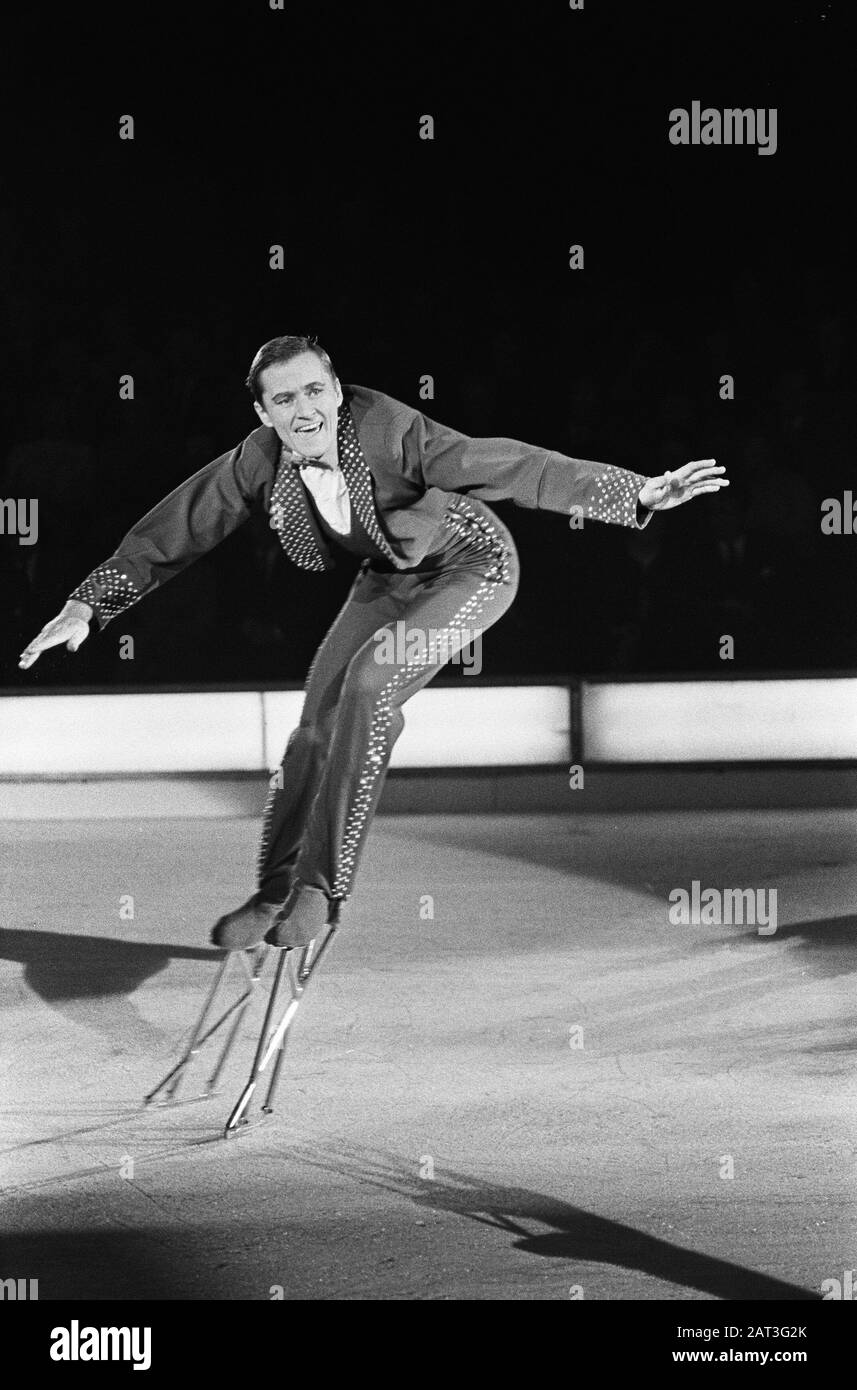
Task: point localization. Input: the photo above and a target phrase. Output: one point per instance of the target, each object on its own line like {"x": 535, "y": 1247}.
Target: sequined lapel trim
{"x": 291, "y": 517}
{"x": 358, "y": 479}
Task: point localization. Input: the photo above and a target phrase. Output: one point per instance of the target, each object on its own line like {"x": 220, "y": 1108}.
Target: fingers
{"x": 52, "y": 636}
{"x": 32, "y": 653}
{"x": 705, "y": 475}
{"x": 700, "y": 468}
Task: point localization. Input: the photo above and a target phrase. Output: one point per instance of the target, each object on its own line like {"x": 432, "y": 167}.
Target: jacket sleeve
{"x": 498, "y": 469}
{"x": 195, "y": 517}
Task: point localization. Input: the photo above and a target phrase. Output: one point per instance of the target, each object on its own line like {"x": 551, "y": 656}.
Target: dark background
{"x": 449, "y": 258}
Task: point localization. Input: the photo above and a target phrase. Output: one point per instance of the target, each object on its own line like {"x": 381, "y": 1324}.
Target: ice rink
{"x": 513, "y": 1078}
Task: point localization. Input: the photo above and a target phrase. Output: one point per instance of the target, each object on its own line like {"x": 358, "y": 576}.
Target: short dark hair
{"x": 283, "y": 350}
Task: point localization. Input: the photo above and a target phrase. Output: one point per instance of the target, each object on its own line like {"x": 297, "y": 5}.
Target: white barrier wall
{"x": 471, "y": 726}
{"x": 719, "y": 721}
{"x": 234, "y": 731}
{"x": 449, "y": 726}
{"x": 61, "y": 734}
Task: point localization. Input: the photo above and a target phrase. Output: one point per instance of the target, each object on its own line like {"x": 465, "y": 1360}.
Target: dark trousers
{"x": 324, "y": 797}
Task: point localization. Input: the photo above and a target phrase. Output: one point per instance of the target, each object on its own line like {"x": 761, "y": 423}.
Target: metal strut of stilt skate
{"x": 251, "y": 965}
{"x": 273, "y": 1038}
{"x": 297, "y": 965}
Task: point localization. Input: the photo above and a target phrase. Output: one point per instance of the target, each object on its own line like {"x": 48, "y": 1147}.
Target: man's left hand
{"x": 671, "y": 489}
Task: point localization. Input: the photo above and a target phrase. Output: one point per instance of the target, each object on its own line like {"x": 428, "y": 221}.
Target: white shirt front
{"x": 330, "y": 494}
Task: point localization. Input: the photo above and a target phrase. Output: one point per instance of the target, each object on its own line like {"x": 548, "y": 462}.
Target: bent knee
{"x": 369, "y": 673}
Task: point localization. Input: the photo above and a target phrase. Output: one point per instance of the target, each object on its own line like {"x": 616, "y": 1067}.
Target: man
{"x": 349, "y": 467}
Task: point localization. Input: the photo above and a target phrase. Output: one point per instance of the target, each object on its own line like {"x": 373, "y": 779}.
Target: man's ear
{"x": 338, "y": 390}
{"x": 263, "y": 415}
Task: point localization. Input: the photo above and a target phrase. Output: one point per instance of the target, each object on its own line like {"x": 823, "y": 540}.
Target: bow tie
{"x": 313, "y": 463}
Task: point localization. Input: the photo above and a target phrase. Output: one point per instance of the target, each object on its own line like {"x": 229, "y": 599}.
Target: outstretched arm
{"x": 498, "y": 469}
{"x": 193, "y": 519}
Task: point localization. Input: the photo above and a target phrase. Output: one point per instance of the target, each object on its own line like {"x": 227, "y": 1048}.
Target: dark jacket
{"x": 400, "y": 467}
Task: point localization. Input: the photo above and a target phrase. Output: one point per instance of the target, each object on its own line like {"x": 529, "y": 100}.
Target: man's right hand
{"x": 70, "y": 626}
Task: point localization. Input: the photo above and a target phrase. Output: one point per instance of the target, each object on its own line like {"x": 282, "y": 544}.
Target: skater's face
{"x": 301, "y": 401}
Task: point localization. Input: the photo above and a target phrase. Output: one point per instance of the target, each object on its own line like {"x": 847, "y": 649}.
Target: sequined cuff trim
{"x": 108, "y": 591}
{"x": 614, "y": 497}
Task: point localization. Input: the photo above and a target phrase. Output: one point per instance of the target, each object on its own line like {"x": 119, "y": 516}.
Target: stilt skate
{"x": 295, "y": 965}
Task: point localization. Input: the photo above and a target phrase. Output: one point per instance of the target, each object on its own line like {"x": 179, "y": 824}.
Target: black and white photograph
{"x": 428, "y": 676}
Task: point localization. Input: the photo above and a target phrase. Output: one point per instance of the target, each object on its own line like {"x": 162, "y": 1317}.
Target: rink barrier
{"x": 490, "y": 723}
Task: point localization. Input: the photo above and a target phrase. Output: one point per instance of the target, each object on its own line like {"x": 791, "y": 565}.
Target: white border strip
{"x": 62, "y": 734}
{"x": 466, "y": 726}
{"x": 449, "y": 726}
{"x": 238, "y": 731}
{"x": 719, "y": 721}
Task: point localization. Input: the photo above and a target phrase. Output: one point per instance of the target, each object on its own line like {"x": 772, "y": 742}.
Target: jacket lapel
{"x": 292, "y": 518}
{"x": 358, "y": 480}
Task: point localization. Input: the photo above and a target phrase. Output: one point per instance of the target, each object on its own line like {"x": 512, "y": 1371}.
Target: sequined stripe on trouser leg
{"x": 294, "y": 786}
{"x": 444, "y": 605}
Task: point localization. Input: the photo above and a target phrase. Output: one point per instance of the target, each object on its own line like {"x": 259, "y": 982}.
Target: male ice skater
{"x": 348, "y": 467}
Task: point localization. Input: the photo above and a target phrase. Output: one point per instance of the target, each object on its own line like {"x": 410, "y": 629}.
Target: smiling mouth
{"x": 309, "y": 429}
